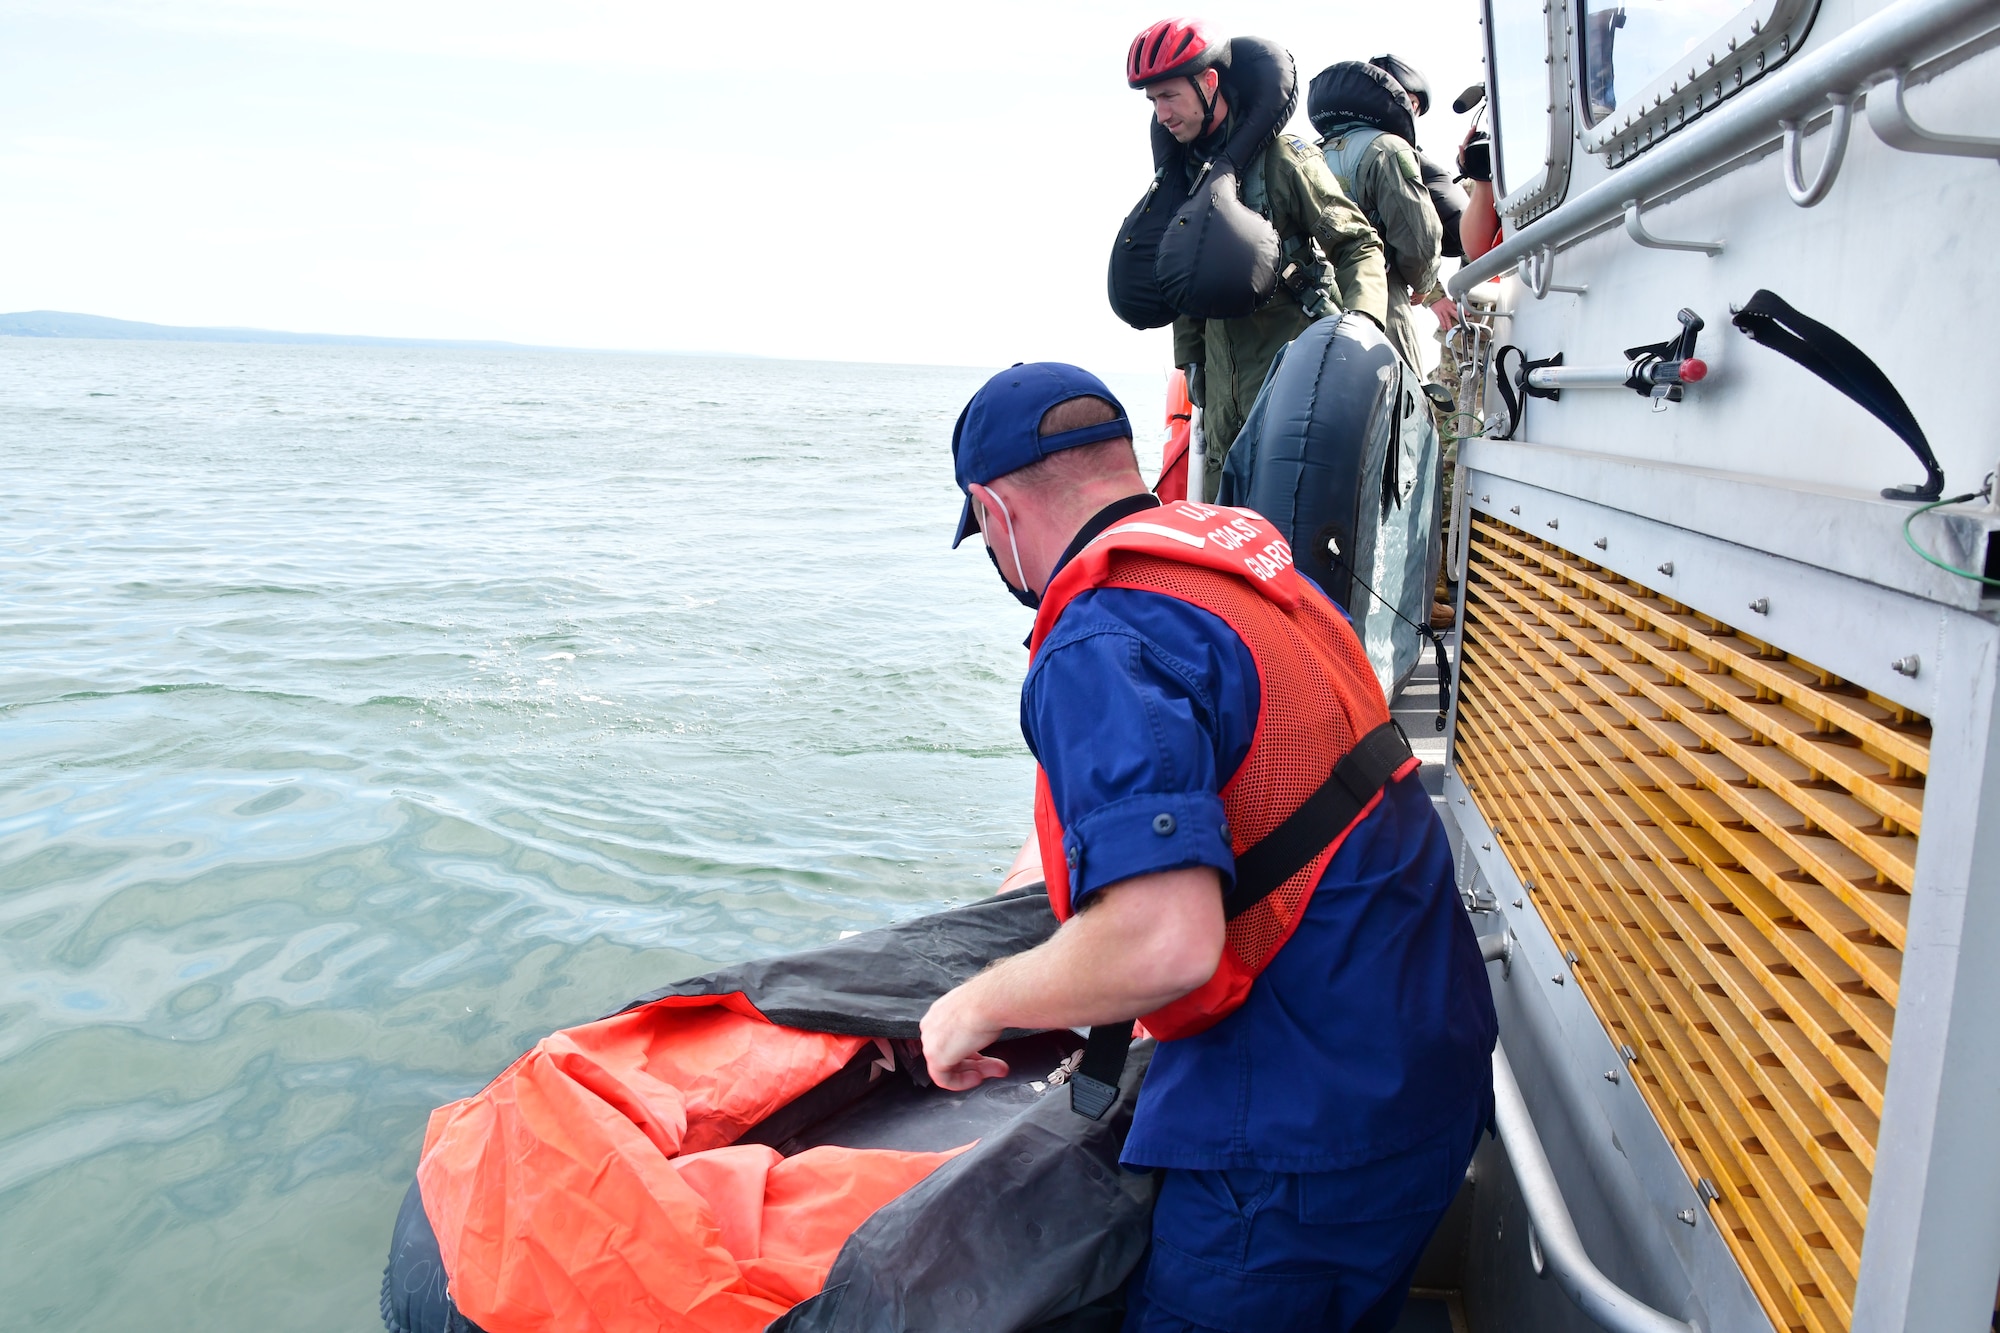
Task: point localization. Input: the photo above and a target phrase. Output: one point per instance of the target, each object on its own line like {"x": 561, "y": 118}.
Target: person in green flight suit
{"x": 1366, "y": 125}
{"x": 1175, "y": 62}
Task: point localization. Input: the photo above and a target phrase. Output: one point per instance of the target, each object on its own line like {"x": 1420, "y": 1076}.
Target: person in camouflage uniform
{"x": 1301, "y": 199}
{"x": 1379, "y": 171}
{"x": 1339, "y": 257}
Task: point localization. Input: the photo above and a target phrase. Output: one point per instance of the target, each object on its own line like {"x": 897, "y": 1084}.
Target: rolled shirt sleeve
{"x": 1140, "y": 708}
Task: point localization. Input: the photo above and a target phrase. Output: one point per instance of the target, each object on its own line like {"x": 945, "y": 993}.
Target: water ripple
{"x": 366, "y": 714}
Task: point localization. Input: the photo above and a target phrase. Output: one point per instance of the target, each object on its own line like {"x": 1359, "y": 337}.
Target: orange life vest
{"x": 1322, "y": 711}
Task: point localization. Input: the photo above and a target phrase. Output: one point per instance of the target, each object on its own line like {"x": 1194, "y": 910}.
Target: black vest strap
{"x": 1290, "y": 847}
{"x": 1260, "y": 870}
{"x": 1094, "y": 1085}
{"x": 1768, "y": 320}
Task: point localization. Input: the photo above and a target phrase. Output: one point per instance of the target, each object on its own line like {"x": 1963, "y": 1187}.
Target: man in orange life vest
{"x": 1242, "y": 857}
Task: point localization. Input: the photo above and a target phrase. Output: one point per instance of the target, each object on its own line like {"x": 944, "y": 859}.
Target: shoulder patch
{"x": 1406, "y": 161}
{"x": 1297, "y": 145}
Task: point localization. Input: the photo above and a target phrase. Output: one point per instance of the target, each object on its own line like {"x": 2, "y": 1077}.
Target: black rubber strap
{"x": 1505, "y": 384}
{"x": 1290, "y": 847}
{"x": 1515, "y": 391}
{"x": 1094, "y": 1086}
{"x": 1766, "y": 319}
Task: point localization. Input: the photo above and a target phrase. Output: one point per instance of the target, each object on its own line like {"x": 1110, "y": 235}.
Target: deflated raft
{"x": 759, "y": 1147}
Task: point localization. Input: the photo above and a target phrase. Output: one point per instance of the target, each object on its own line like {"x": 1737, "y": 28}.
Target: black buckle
{"x": 1091, "y": 1097}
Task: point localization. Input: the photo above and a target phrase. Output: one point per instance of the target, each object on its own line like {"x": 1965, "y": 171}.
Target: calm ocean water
{"x": 366, "y": 714}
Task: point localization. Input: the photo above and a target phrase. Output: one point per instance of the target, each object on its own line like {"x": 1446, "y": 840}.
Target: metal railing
{"x": 1880, "y": 47}
{"x": 1553, "y": 1244}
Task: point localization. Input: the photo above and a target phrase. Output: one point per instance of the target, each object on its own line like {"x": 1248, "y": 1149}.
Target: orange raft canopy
{"x": 759, "y": 1148}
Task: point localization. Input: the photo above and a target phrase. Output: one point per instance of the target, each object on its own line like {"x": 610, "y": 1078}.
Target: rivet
{"x": 1610, "y": 1076}
{"x": 1485, "y": 846}
{"x": 1686, "y": 1215}
{"x": 1907, "y": 666}
{"x": 1552, "y": 523}
{"x": 1517, "y": 902}
{"x": 1599, "y": 543}
{"x": 1762, "y": 606}
{"x": 1557, "y": 978}
{"x": 1667, "y": 568}
{"x": 1515, "y": 510}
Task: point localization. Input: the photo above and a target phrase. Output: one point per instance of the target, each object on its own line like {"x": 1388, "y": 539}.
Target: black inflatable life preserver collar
{"x": 1351, "y": 92}
{"x": 1200, "y": 252}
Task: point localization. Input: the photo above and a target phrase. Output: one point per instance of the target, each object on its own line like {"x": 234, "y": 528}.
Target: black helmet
{"x": 1406, "y": 74}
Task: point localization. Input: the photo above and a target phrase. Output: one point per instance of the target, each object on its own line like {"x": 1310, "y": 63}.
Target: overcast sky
{"x": 927, "y": 182}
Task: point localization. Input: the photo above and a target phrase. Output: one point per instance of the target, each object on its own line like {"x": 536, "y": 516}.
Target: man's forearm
{"x": 1087, "y": 973}
{"x": 1140, "y": 945}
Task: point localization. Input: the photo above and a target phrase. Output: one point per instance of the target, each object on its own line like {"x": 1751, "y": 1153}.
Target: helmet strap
{"x": 1207, "y": 106}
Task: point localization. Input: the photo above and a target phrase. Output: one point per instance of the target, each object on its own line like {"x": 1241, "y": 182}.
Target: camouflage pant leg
{"x": 1447, "y": 374}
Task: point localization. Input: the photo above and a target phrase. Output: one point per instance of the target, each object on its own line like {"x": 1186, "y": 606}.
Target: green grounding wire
{"x": 1916, "y": 514}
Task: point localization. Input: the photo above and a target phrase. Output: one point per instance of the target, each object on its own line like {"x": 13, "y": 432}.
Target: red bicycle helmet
{"x": 1171, "y": 49}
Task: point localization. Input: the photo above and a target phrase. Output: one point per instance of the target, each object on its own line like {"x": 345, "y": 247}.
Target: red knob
{"x": 1693, "y": 370}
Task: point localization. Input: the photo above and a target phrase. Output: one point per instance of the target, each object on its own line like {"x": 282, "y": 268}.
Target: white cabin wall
{"x": 1898, "y": 257}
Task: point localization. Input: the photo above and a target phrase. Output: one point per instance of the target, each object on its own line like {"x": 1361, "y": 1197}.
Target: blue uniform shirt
{"x": 1370, "y": 1033}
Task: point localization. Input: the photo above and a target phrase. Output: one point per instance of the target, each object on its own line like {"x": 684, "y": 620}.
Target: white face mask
{"x": 1023, "y": 594}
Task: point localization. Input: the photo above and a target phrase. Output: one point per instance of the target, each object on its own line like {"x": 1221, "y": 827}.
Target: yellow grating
{"x": 1724, "y": 838}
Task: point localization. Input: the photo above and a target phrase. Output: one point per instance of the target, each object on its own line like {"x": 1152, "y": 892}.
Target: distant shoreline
{"x": 69, "y": 324}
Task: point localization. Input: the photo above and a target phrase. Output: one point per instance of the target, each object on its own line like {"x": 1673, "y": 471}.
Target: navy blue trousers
{"x": 1266, "y": 1252}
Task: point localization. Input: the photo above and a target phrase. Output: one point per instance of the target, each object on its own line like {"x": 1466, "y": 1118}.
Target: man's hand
{"x": 954, "y": 1035}
{"x": 1137, "y": 945}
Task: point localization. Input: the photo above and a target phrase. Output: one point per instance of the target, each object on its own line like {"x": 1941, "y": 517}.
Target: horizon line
{"x": 80, "y": 326}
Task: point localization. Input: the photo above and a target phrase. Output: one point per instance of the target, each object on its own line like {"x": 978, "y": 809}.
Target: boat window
{"x": 1518, "y": 61}
{"x": 1629, "y": 43}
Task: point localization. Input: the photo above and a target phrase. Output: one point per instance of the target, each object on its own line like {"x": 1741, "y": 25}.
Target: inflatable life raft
{"x": 759, "y": 1147}
{"x": 1200, "y": 251}
{"x": 1339, "y": 450}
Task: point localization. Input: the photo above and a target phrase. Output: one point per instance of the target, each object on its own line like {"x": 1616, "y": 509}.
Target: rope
{"x": 1436, "y": 639}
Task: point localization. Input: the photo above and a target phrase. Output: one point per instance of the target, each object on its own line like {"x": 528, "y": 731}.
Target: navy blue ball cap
{"x": 999, "y": 430}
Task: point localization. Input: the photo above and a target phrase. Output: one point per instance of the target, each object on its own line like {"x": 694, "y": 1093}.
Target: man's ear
{"x": 984, "y": 507}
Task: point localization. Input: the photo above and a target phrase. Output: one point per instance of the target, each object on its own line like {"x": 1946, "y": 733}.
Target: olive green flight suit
{"x": 1388, "y": 184}
{"x": 1304, "y": 204}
